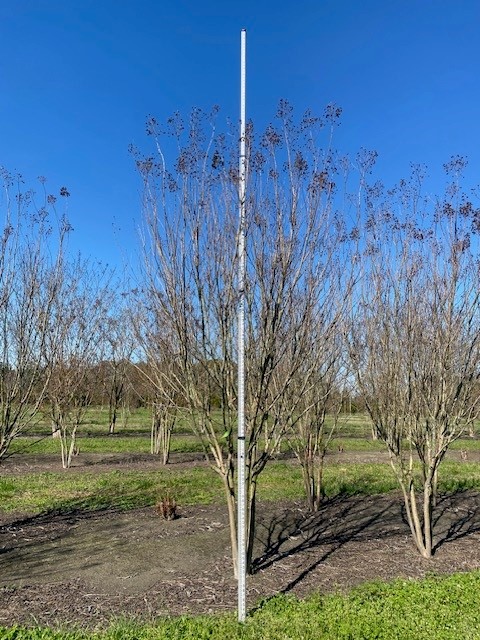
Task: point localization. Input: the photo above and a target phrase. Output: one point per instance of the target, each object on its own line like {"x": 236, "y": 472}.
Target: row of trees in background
{"x": 63, "y": 339}
{"x": 352, "y": 291}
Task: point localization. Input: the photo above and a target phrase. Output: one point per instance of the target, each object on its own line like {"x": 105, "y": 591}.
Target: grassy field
{"x": 133, "y": 436}
{"x": 440, "y": 608}
{"x": 138, "y": 443}
{"x": 39, "y": 492}
{"x": 119, "y": 443}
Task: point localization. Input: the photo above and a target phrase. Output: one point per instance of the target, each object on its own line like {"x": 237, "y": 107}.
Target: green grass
{"x": 103, "y": 444}
{"x": 443, "y": 608}
{"x": 36, "y": 493}
{"x": 454, "y": 476}
{"x": 137, "y": 442}
{"x": 354, "y": 426}
{"x": 39, "y": 492}
{"x": 353, "y": 434}
{"x": 468, "y": 444}
{"x": 351, "y": 444}
{"x": 96, "y": 421}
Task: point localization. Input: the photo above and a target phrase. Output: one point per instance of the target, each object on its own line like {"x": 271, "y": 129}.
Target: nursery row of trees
{"x": 351, "y": 289}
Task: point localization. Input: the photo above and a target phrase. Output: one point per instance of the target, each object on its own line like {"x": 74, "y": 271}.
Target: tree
{"x": 319, "y": 402}
{"x": 73, "y": 349}
{"x": 31, "y": 265}
{"x": 118, "y": 349}
{"x": 414, "y": 338}
{"x": 159, "y": 388}
{"x": 190, "y": 277}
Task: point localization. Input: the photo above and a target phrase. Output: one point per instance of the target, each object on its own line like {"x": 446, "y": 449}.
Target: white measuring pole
{"x": 241, "y": 497}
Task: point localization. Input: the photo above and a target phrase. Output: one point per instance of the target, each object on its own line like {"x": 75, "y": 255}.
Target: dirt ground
{"x": 83, "y": 569}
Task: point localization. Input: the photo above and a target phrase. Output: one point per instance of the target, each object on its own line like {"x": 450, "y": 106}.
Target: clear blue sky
{"x": 79, "y": 77}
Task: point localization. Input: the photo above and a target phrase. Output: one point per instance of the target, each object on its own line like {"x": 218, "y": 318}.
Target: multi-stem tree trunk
{"x": 68, "y": 444}
{"x": 31, "y": 267}
{"x": 414, "y": 337}
{"x": 65, "y": 423}
{"x": 312, "y": 463}
{"x": 309, "y": 436}
{"x": 163, "y": 423}
{"x": 76, "y": 330}
{"x": 118, "y": 346}
{"x": 418, "y": 505}
{"x": 186, "y": 318}
{"x": 115, "y": 397}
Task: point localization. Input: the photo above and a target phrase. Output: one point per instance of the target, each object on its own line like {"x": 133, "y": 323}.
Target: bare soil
{"x": 87, "y": 568}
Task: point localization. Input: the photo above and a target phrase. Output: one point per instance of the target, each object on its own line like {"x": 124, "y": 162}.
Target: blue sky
{"x": 79, "y": 77}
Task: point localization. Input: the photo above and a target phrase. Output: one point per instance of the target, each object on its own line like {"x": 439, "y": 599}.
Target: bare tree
{"x": 191, "y": 267}
{"x": 118, "y": 349}
{"x": 415, "y": 333}
{"x": 73, "y": 349}
{"x": 319, "y": 385}
{"x": 188, "y": 302}
{"x": 31, "y": 263}
{"x": 159, "y": 380}
{"x": 164, "y": 417}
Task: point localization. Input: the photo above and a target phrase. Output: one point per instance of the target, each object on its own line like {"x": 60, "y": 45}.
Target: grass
{"x": 467, "y": 444}
{"x": 138, "y": 443}
{"x": 37, "y": 493}
{"x": 352, "y": 444}
{"x": 96, "y": 421}
{"x": 40, "y": 492}
{"x": 444, "y": 608}
{"x": 133, "y": 436}
{"x": 459, "y": 476}
{"x": 103, "y": 444}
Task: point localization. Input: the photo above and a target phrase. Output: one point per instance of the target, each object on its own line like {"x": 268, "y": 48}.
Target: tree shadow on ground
{"x": 344, "y": 519}
{"x": 47, "y": 526}
{"x": 339, "y": 520}
{"x": 68, "y": 511}
{"x": 456, "y": 517}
